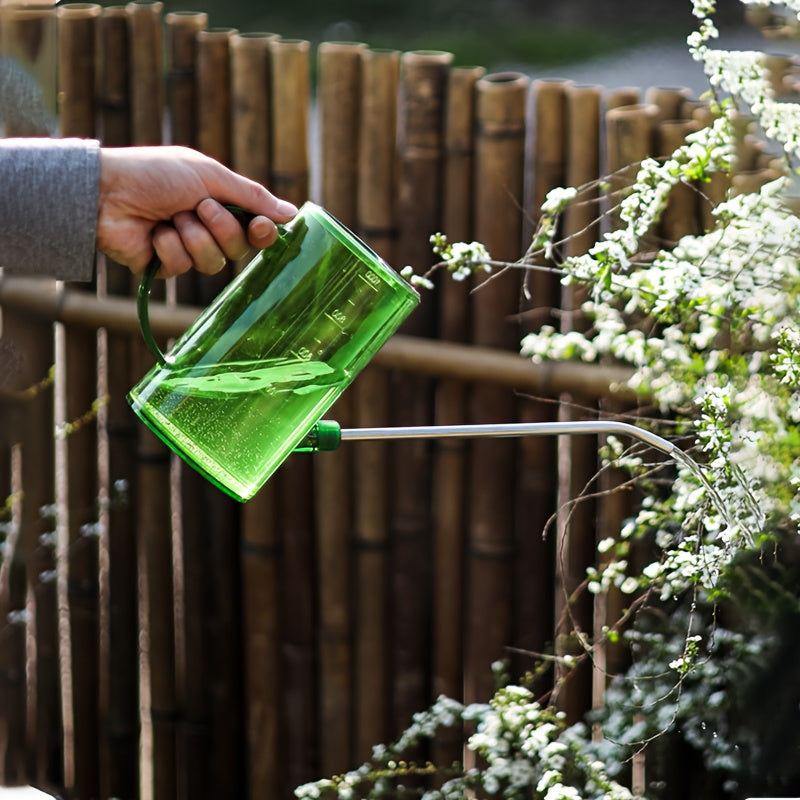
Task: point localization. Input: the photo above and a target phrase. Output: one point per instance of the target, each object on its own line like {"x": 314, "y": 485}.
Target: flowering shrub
{"x": 711, "y": 330}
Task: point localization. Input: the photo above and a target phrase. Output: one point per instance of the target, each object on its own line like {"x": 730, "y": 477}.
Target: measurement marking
{"x": 370, "y": 283}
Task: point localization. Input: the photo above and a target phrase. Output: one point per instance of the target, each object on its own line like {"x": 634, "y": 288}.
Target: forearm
{"x": 49, "y": 192}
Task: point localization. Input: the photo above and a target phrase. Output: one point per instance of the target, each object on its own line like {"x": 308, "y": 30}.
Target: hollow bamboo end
{"x": 142, "y": 7}
{"x": 80, "y": 10}
{"x": 186, "y": 19}
{"x": 425, "y": 57}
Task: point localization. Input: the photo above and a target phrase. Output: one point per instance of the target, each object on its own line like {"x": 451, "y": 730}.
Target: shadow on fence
{"x": 159, "y": 640}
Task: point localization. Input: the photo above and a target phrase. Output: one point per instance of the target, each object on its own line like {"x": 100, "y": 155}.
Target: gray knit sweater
{"x": 48, "y": 206}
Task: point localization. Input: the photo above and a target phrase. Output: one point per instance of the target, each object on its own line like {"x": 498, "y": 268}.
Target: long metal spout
{"x": 501, "y": 430}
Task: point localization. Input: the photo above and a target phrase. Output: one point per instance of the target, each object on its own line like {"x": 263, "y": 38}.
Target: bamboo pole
{"x": 261, "y": 641}
{"x": 550, "y": 119}
{"x": 339, "y": 101}
{"x": 714, "y": 191}
{"x": 403, "y": 353}
{"x": 671, "y": 102}
{"x": 114, "y": 81}
{"x": 157, "y": 663}
{"x": 182, "y": 29}
{"x": 371, "y": 586}
{"x": 629, "y": 139}
{"x": 681, "y": 215}
{"x": 299, "y": 719}
{"x": 581, "y": 223}
{"x": 41, "y": 744}
{"x": 450, "y": 458}
{"x": 213, "y": 72}
{"x": 214, "y": 92}
{"x": 147, "y": 86}
{"x": 375, "y": 208}
{"x": 576, "y": 458}
{"x": 423, "y": 85}
{"x": 623, "y": 96}
{"x": 118, "y": 573}
{"x": 250, "y": 80}
{"x": 377, "y": 168}
{"x": 77, "y": 382}
{"x": 250, "y": 104}
{"x": 501, "y": 107}
{"x": 29, "y": 41}
{"x": 77, "y": 35}
{"x": 290, "y": 97}
{"x": 12, "y": 691}
{"x": 424, "y": 78}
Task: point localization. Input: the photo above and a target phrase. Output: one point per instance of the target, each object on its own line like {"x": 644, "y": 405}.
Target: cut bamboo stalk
{"x": 501, "y": 107}
{"x": 250, "y": 104}
{"x": 118, "y": 609}
{"x": 77, "y": 35}
{"x": 156, "y": 615}
{"x": 77, "y": 382}
{"x": 549, "y": 156}
{"x": 29, "y": 37}
{"x": 372, "y": 722}
{"x": 581, "y": 220}
{"x": 13, "y": 660}
{"x": 403, "y": 353}
{"x": 339, "y": 103}
{"x": 623, "y": 96}
{"x": 424, "y": 78}
{"x": 576, "y": 457}
{"x": 671, "y": 103}
{"x": 299, "y": 720}
{"x": 715, "y": 190}
{"x": 182, "y": 28}
{"x": 214, "y": 95}
{"x": 76, "y": 388}
{"x": 377, "y": 168}
{"x": 261, "y": 642}
{"x": 290, "y": 97}
{"x": 33, "y": 472}
{"x": 118, "y": 686}
{"x": 629, "y": 139}
{"x": 450, "y": 458}
{"x": 114, "y": 81}
{"x": 147, "y": 85}
{"x": 681, "y": 215}
{"x": 334, "y": 526}
{"x": 423, "y": 86}
{"x": 214, "y": 126}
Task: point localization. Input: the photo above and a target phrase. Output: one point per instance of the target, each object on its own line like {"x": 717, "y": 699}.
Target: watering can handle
{"x": 145, "y": 284}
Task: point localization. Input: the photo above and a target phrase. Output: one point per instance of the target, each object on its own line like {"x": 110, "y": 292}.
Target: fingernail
{"x": 286, "y": 208}
{"x": 260, "y": 227}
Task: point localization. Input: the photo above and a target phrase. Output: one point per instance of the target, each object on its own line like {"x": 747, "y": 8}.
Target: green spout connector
{"x": 324, "y": 437}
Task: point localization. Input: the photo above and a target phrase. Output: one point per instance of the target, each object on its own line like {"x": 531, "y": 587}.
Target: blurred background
{"x": 490, "y": 33}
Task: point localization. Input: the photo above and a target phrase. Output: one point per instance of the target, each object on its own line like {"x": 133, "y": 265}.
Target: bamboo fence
{"x": 158, "y": 640}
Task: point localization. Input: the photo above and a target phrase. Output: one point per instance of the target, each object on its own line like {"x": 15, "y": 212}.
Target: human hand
{"x": 167, "y": 201}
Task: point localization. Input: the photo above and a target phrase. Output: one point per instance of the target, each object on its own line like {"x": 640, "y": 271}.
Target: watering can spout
{"x": 327, "y": 435}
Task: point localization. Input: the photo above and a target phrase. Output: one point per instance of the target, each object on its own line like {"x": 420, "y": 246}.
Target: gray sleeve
{"x": 49, "y": 190}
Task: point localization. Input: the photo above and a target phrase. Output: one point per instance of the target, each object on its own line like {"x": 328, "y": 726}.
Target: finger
{"x": 175, "y": 259}
{"x": 201, "y": 246}
{"x": 224, "y": 227}
{"x": 228, "y": 187}
{"x": 262, "y": 232}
